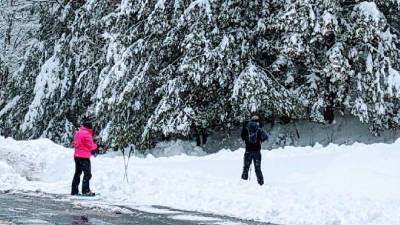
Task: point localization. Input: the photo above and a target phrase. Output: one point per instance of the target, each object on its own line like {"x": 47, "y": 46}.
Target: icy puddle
{"x": 29, "y": 209}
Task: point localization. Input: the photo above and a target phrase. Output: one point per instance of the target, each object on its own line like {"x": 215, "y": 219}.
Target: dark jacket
{"x": 261, "y": 136}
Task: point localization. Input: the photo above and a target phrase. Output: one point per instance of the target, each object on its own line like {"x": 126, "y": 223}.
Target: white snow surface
{"x": 10, "y": 105}
{"x": 370, "y": 11}
{"x": 357, "y": 184}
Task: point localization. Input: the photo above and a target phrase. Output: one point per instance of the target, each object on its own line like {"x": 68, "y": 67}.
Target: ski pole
{"x": 125, "y": 166}
{"x": 250, "y": 173}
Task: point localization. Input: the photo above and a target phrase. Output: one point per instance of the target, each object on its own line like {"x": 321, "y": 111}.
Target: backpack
{"x": 252, "y": 130}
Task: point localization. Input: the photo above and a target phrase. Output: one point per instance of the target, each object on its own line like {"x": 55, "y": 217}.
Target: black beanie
{"x": 87, "y": 125}
{"x": 87, "y": 122}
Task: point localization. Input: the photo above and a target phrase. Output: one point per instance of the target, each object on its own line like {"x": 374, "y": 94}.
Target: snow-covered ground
{"x": 333, "y": 185}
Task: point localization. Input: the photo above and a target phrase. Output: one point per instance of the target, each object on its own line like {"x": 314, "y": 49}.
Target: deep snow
{"x": 357, "y": 184}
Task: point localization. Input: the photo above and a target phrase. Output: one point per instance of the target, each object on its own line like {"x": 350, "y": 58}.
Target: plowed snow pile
{"x": 333, "y": 185}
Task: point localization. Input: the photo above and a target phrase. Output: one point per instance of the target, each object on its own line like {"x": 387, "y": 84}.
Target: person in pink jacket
{"x": 83, "y": 145}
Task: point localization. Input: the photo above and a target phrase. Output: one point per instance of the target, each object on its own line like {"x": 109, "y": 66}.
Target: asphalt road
{"x": 29, "y": 209}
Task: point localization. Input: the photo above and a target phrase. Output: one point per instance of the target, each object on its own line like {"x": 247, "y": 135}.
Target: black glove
{"x": 95, "y": 152}
{"x": 98, "y": 152}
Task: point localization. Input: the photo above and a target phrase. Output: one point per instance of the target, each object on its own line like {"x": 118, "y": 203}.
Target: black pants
{"x": 81, "y": 165}
{"x": 256, "y": 158}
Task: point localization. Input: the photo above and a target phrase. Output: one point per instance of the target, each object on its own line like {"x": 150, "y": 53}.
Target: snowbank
{"x": 178, "y": 147}
{"x": 357, "y": 184}
{"x": 33, "y": 165}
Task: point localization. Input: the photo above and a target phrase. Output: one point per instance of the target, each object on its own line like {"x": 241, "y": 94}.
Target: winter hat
{"x": 87, "y": 122}
{"x": 255, "y": 118}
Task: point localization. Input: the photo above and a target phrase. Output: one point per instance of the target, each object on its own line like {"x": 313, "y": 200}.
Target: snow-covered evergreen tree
{"x": 152, "y": 69}
{"x": 375, "y": 55}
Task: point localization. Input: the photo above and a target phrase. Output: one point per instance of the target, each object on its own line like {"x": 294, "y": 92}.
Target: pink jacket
{"x": 83, "y": 143}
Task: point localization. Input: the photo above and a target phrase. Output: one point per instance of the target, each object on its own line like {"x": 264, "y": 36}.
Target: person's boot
{"x": 89, "y": 193}
{"x": 245, "y": 176}
{"x": 74, "y": 191}
{"x": 260, "y": 182}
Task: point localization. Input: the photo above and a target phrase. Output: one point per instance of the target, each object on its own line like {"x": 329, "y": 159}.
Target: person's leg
{"x": 77, "y": 177}
{"x": 87, "y": 174}
{"x": 257, "y": 167}
{"x": 246, "y": 166}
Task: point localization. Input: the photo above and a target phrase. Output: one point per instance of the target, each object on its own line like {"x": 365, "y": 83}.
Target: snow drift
{"x": 357, "y": 184}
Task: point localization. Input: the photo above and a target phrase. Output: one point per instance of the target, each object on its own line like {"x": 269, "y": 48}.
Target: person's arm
{"x": 91, "y": 145}
{"x": 244, "y": 133}
{"x": 263, "y": 135}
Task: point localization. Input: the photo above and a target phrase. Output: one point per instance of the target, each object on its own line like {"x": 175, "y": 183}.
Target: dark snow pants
{"x": 256, "y": 158}
{"x": 81, "y": 165}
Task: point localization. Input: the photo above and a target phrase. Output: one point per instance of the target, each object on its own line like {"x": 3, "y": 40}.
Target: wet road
{"x": 28, "y": 209}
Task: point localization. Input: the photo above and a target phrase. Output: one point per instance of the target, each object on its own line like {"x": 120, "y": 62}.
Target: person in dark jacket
{"x": 253, "y": 134}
